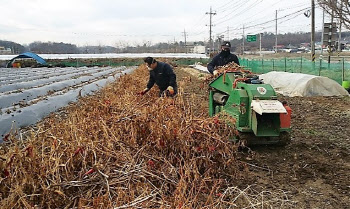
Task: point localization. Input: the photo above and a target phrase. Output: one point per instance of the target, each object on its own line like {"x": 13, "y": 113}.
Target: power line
{"x": 227, "y": 7}
{"x": 237, "y": 7}
{"x": 222, "y": 6}
{"x": 257, "y": 13}
{"x": 272, "y": 6}
{"x": 289, "y": 16}
{"x": 198, "y": 23}
{"x": 269, "y": 21}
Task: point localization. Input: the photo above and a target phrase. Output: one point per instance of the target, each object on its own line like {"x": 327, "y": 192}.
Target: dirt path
{"x": 314, "y": 170}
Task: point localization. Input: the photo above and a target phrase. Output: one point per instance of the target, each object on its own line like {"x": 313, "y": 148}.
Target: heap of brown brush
{"x": 120, "y": 150}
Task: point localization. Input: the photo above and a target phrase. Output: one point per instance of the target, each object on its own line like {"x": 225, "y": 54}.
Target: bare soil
{"x": 313, "y": 171}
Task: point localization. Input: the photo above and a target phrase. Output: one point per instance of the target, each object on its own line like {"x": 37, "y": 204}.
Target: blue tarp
{"x": 28, "y": 55}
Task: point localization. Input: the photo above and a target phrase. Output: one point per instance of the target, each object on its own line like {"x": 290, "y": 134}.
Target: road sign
{"x": 251, "y": 38}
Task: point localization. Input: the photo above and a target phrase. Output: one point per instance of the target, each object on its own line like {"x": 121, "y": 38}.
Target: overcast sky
{"x": 122, "y": 22}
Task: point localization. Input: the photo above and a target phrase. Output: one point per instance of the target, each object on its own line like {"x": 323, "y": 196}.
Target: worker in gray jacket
{"x": 223, "y": 58}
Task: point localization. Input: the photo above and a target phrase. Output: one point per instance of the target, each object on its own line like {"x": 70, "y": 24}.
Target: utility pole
{"x": 322, "y": 38}
{"x": 228, "y": 33}
{"x": 330, "y": 42}
{"x": 219, "y": 38}
{"x": 185, "y": 40}
{"x": 276, "y": 34}
{"x": 340, "y": 25}
{"x": 210, "y": 25}
{"x": 313, "y": 30}
{"x": 243, "y": 42}
{"x": 260, "y": 44}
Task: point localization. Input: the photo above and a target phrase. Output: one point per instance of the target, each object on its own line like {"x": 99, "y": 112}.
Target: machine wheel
{"x": 249, "y": 139}
{"x": 284, "y": 138}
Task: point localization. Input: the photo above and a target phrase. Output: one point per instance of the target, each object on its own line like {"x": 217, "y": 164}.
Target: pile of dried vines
{"x": 119, "y": 150}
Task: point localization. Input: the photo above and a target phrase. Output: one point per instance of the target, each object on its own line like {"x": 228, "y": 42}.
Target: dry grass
{"x": 119, "y": 150}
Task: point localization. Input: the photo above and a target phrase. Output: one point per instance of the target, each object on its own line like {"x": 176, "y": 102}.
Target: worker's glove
{"x": 143, "y": 92}
{"x": 170, "y": 89}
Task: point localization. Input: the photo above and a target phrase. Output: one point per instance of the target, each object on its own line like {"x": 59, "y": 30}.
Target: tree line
{"x": 268, "y": 40}
{"x": 15, "y": 47}
{"x": 267, "y": 43}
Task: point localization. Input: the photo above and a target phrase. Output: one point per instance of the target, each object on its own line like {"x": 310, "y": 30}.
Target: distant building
{"x": 319, "y": 46}
{"x": 4, "y": 50}
{"x": 199, "y": 50}
{"x": 279, "y": 48}
{"x": 306, "y": 45}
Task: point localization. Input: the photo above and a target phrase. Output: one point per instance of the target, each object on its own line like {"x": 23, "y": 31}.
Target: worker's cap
{"x": 149, "y": 60}
{"x": 226, "y": 44}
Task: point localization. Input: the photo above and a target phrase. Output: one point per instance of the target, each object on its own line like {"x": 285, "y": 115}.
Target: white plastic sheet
{"x": 33, "y": 111}
{"x": 298, "y": 84}
{"x": 200, "y": 67}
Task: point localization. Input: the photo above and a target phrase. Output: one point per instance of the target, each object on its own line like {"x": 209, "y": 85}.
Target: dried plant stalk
{"x": 119, "y": 150}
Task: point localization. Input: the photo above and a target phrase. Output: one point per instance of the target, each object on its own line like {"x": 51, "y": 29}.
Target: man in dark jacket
{"x": 223, "y": 58}
{"x": 162, "y": 74}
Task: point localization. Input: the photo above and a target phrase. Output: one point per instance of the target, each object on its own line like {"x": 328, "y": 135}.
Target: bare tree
{"x": 339, "y": 8}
